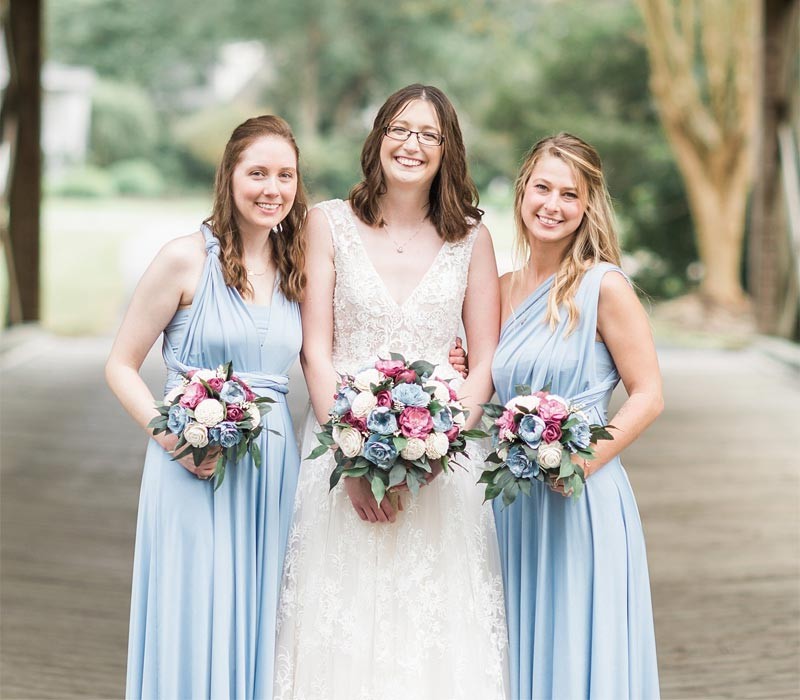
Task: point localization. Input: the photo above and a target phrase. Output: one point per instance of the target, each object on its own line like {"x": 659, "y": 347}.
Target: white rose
{"x": 209, "y": 412}
{"x": 414, "y": 449}
{"x": 440, "y": 391}
{"x": 196, "y": 434}
{"x": 436, "y": 445}
{"x": 560, "y": 399}
{"x": 254, "y": 414}
{"x": 204, "y": 374}
{"x": 529, "y": 403}
{"x": 363, "y": 404}
{"x": 549, "y": 455}
{"x": 349, "y": 440}
{"x": 365, "y": 378}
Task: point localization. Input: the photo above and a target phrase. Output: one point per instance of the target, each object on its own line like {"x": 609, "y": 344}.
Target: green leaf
{"x": 255, "y": 453}
{"x": 378, "y": 488}
{"x": 318, "y": 451}
{"x": 493, "y": 410}
{"x": 219, "y": 472}
{"x": 399, "y": 443}
{"x": 397, "y": 356}
{"x": 227, "y": 370}
{"x": 487, "y": 476}
{"x": 525, "y": 486}
{"x": 522, "y": 390}
{"x": 474, "y": 434}
{"x": 412, "y": 481}
{"x": 336, "y": 474}
{"x": 423, "y": 368}
{"x": 510, "y": 492}
{"x": 567, "y": 468}
{"x": 326, "y": 439}
{"x": 355, "y": 472}
{"x": 397, "y": 475}
{"x": 492, "y": 491}
{"x": 240, "y": 450}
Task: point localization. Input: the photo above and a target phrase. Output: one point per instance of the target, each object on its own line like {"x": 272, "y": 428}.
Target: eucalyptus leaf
{"x": 336, "y": 474}
{"x": 378, "y": 488}
{"x": 522, "y": 390}
{"x": 318, "y": 451}
{"x": 397, "y": 475}
{"x": 255, "y": 453}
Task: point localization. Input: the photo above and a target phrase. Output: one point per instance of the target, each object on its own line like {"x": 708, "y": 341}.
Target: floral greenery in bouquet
{"x": 213, "y": 409}
{"x": 535, "y": 436}
{"x": 388, "y": 424}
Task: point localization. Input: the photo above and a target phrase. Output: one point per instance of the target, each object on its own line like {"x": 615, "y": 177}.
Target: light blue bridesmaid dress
{"x": 207, "y": 566}
{"x": 580, "y": 619}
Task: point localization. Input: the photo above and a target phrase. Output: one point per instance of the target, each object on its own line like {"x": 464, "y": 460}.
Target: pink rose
{"x": 415, "y": 421}
{"x": 234, "y": 413}
{"x": 391, "y": 368}
{"x": 506, "y": 421}
{"x": 452, "y": 434}
{"x": 248, "y": 395}
{"x": 409, "y": 376}
{"x": 552, "y": 432}
{"x": 215, "y": 383}
{"x": 384, "y": 399}
{"x": 193, "y": 395}
{"x": 551, "y": 410}
{"x": 357, "y": 423}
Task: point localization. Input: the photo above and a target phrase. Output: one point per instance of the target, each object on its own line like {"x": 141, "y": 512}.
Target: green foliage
{"x": 87, "y": 181}
{"x": 124, "y": 123}
{"x": 137, "y": 176}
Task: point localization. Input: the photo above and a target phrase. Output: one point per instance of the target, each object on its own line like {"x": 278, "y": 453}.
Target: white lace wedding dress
{"x": 412, "y": 609}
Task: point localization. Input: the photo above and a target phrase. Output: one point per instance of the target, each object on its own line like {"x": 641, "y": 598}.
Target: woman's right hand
{"x": 204, "y": 470}
{"x": 364, "y": 503}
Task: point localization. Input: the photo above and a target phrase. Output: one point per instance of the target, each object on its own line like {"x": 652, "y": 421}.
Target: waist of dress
{"x": 259, "y": 382}
{"x": 443, "y": 368}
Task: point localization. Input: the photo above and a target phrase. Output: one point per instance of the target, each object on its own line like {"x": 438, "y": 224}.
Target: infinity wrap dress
{"x": 577, "y": 589}
{"x": 207, "y": 567}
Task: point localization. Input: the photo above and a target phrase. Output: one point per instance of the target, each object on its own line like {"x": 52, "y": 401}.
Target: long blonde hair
{"x": 288, "y": 250}
{"x": 594, "y": 241}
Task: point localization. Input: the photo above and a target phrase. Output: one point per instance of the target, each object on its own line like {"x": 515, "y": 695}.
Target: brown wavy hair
{"x": 453, "y": 199}
{"x": 288, "y": 249}
{"x": 594, "y": 241}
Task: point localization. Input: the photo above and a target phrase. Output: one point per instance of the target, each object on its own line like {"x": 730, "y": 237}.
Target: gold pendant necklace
{"x": 399, "y": 247}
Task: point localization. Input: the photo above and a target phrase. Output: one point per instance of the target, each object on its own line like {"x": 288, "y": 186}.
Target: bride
{"x": 378, "y": 602}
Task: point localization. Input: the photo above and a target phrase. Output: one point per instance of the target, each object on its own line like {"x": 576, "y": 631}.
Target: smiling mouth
{"x": 408, "y": 162}
{"x": 268, "y": 208}
{"x": 548, "y": 221}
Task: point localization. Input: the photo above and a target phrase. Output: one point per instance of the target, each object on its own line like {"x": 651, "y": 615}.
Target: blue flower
{"x": 344, "y": 400}
{"x": 443, "y": 421}
{"x": 380, "y": 451}
{"x": 382, "y": 421}
{"x": 411, "y": 395}
{"x": 580, "y": 436}
{"x": 232, "y": 392}
{"x": 177, "y": 419}
{"x": 519, "y": 464}
{"x": 530, "y": 430}
{"x": 225, "y": 434}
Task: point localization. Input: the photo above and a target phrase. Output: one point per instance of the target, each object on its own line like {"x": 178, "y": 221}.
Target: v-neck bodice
{"x": 368, "y": 321}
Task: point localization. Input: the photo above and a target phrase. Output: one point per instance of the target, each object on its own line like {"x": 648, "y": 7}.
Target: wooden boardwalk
{"x": 716, "y": 480}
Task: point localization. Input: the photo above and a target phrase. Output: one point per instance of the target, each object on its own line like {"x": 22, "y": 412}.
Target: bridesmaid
{"x": 207, "y": 565}
{"x": 577, "y": 588}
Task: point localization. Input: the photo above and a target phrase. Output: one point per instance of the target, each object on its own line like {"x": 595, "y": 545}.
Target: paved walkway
{"x": 716, "y": 479}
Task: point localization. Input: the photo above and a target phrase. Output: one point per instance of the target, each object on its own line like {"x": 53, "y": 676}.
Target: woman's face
{"x": 410, "y": 163}
{"x": 552, "y": 209}
{"x": 264, "y": 184}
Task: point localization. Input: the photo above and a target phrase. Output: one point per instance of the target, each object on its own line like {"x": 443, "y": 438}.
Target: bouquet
{"x": 213, "y": 409}
{"x": 535, "y": 436}
{"x": 389, "y": 422}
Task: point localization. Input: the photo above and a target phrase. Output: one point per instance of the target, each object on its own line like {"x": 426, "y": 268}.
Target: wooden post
{"x": 23, "y": 107}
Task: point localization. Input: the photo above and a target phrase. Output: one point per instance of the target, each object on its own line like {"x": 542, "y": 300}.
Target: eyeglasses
{"x": 426, "y": 138}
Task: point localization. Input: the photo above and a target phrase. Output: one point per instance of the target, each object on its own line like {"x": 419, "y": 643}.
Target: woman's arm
{"x": 316, "y": 356}
{"x": 481, "y": 316}
{"x": 316, "y": 309}
{"x": 625, "y": 329}
{"x": 167, "y": 283}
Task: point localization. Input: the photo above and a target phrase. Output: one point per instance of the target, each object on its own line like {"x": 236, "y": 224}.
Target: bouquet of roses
{"x": 389, "y": 422}
{"x": 535, "y": 436}
{"x": 213, "y": 409}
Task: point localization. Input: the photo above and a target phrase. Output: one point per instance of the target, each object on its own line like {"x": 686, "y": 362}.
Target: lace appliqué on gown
{"x": 410, "y": 609}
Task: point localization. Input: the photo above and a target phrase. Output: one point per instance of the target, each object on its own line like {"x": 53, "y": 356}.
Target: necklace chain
{"x": 399, "y": 247}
